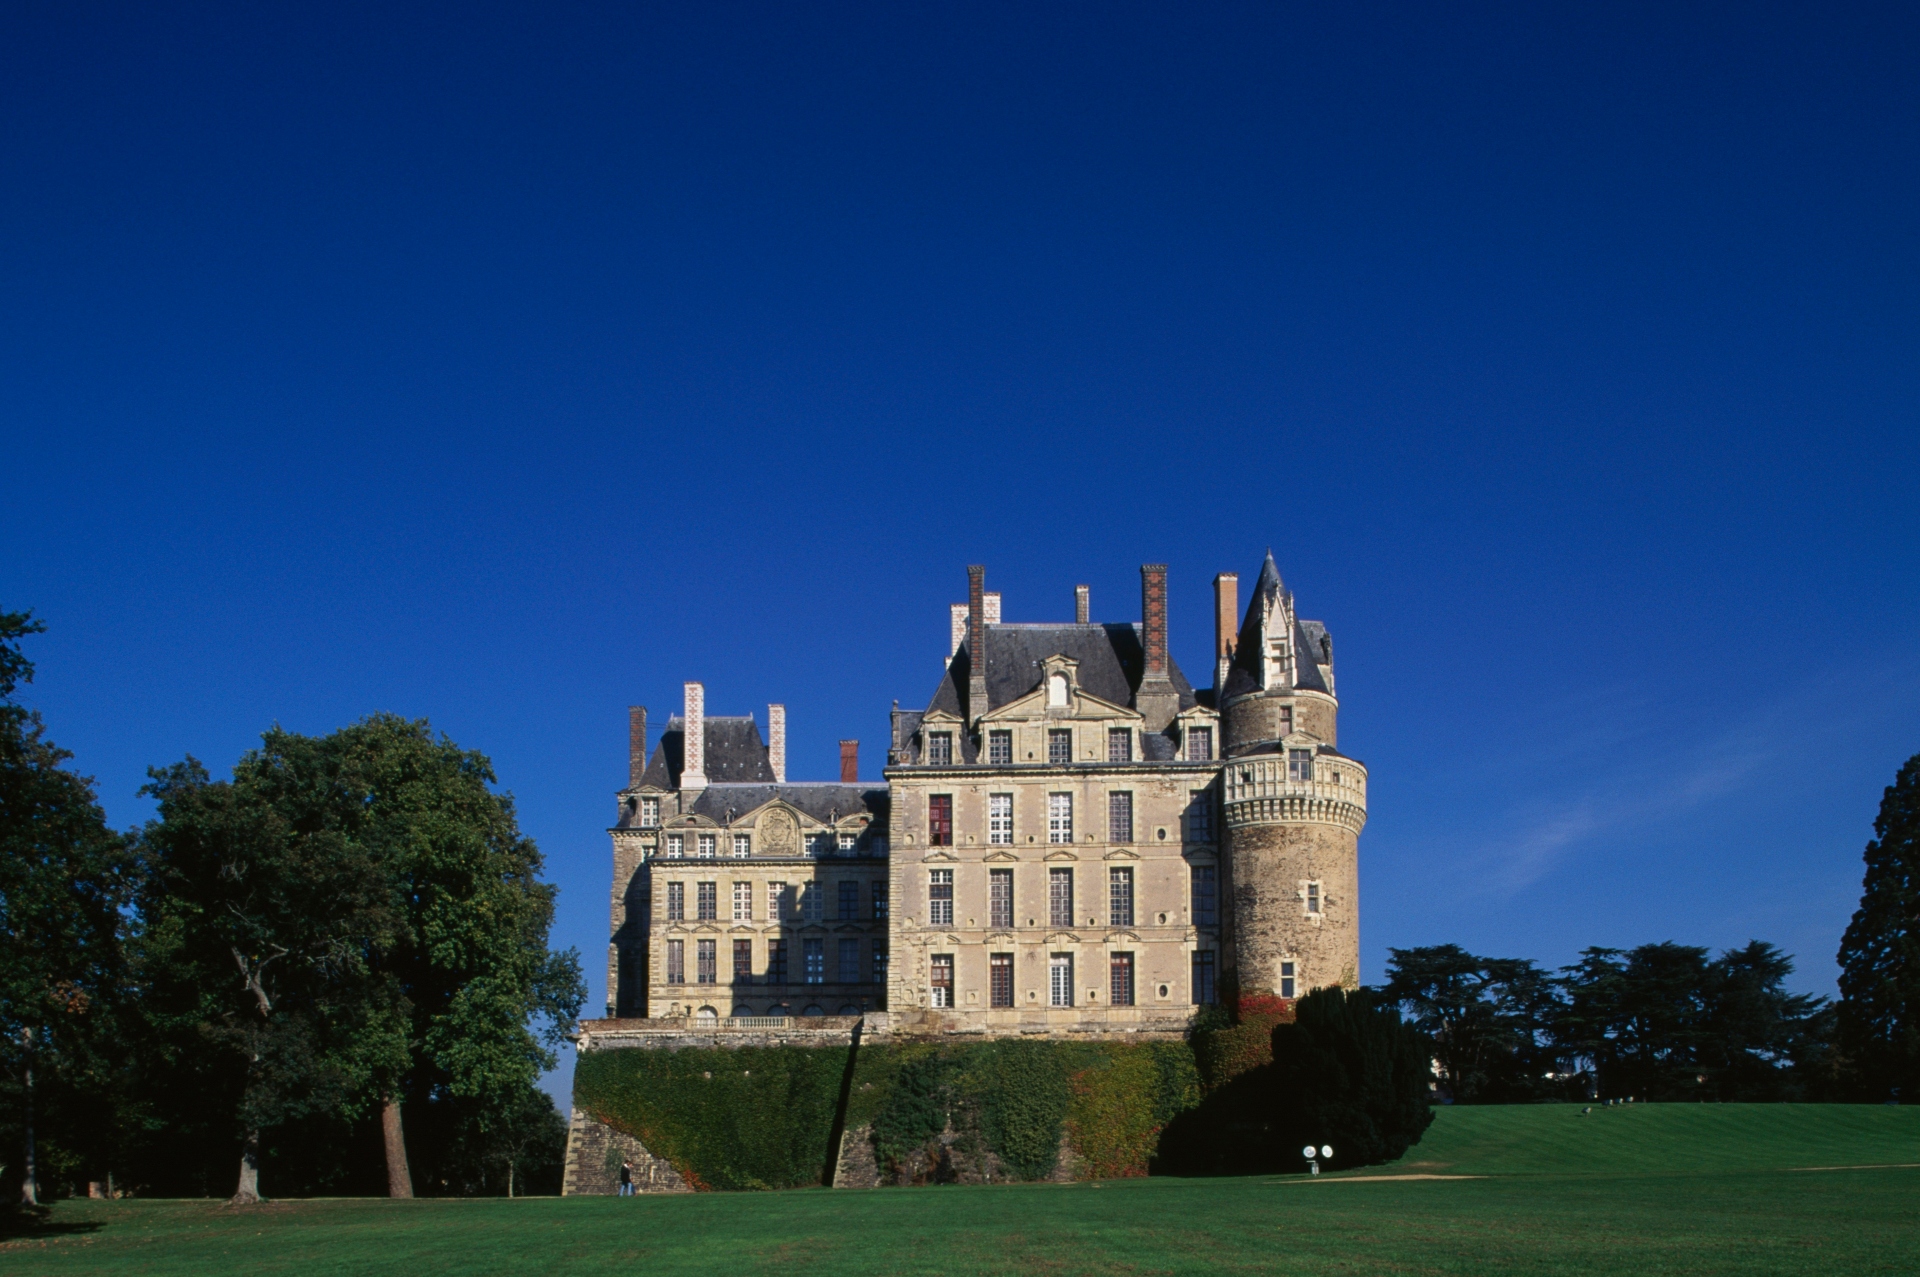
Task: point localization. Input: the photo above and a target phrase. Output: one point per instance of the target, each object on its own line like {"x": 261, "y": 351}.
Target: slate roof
{"x": 1311, "y": 645}
{"x": 1110, "y": 659}
{"x": 823, "y": 800}
{"x": 735, "y": 753}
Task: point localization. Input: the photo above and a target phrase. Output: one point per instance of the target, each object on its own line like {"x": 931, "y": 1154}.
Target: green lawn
{"x": 1641, "y": 1190}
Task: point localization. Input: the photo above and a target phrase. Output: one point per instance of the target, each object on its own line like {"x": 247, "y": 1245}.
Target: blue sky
{"x": 505, "y": 366}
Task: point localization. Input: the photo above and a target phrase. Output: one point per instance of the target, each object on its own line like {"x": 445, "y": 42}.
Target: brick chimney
{"x": 1155, "y": 699}
{"x": 636, "y": 743}
{"x": 849, "y": 762}
{"x": 1081, "y": 609}
{"x": 693, "y": 727}
{"x": 777, "y": 742}
{"x": 957, "y": 615}
{"x": 977, "y": 642}
{"x": 1226, "y": 614}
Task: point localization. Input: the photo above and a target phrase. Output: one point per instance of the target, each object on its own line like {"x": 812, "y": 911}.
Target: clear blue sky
{"x": 508, "y": 365}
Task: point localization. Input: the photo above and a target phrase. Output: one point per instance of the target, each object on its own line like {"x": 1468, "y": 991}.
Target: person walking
{"x": 626, "y": 1178}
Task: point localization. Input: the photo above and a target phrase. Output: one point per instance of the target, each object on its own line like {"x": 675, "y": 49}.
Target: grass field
{"x": 1648, "y": 1189}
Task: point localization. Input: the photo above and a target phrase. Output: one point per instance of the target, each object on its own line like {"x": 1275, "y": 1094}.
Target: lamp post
{"x": 1313, "y": 1156}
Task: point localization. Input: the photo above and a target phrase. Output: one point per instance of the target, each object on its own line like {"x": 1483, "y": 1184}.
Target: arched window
{"x": 1056, "y": 690}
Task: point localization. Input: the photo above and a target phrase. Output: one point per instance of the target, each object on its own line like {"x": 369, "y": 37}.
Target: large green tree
{"x": 1487, "y": 1017}
{"x": 1880, "y": 953}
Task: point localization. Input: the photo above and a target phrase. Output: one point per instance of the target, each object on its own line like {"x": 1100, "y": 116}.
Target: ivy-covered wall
{"x": 767, "y": 1117}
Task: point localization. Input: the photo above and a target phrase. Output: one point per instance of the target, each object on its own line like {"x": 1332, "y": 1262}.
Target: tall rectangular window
{"x": 778, "y": 906}
{"x": 1199, "y": 744}
{"x": 940, "y": 820}
{"x": 1120, "y": 980}
{"x": 1000, "y": 897}
{"x": 1203, "y": 974}
{"x": 940, "y": 979}
{"x": 704, "y": 954}
{"x": 1000, "y": 820}
{"x": 743, "y": 962}
{"x": 1200, "y": 816}
{"x": 880, "y": 964}
{"x": 708, "y": 901}
{"x": 999, "y": 749}
{"x": 813, "y": 907}
{"x": 1286, "y": 720}
{"x": 880, "y": 901}
{"x": 1060, "y": 897}
{"x": 742, "y": 846}
{"x": 1288, "y": 980}
{"x": 849, "y": 900}
{"x": 1060, "y": 980}
{"x": 743, "y": 902}
{"x": 676, "y": 846}
{"x": 708, "y": 846}
{"x": 940, "y": 748}
{"x": 819, "y": 845}
{"x": 1120, "y": 816}
{"x": 1206, "y": 896}
{"x": 649, "y": 813}
{"x": 1060, "y": 818}
{"x": 1299, "y": 764}
{"x": 676, "y": 901}
{"x": 1120, "y": 897}
{"x": 849, "y": 962}
{"x": 1119, "y": 744}
{"x": 676, "y": 962}
{"x": 776, "y": 962}
{"x": 814, "y": 952}
{"x": 1313, "y": 897}
{"x": 940, "y": 897}
{"x": 1000, "y": 980}
{"x": 1059, "y": 745}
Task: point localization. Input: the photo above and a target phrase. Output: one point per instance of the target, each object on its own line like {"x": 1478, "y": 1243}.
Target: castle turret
{"x": 1293, "y": 805}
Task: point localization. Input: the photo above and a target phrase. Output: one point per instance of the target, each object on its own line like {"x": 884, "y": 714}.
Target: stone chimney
{"x": 1156, "y": 700}
{"x": 1226, "y": 613}
{"x": 693, "y": 728}
{"x": 777, "y": 742}
{"x": 993, "y": 607}
{"x": 1082, "y": 612}
{"x": 636, "y": 743}
{"x": 849, "y": 762}
{"x": 977, "y": 642}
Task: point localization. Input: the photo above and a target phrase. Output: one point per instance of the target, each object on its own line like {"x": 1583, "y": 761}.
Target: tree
{"x": 1347, "y": 1072}
{"x": 1487, "y": 1017}
{"x": 65, "y": 881}
{"x": 1879, "y": 1015}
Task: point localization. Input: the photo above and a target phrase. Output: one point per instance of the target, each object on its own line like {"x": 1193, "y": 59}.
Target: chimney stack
{"x": 777, "y": 742}
{"x": 1081, "y": 612}
{"x": 976, "y": 642}
{"x": 957, "y": 627}
{"x": 1226, "y": 613}
{"x": 1155, "y": 698}
{"x": 636, "y": 743}
{"x": 849, "y": 762}
{"x": 993, "y": 607}
{"x": 693, "y": 738}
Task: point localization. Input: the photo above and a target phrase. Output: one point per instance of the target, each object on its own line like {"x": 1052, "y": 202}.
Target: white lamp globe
{"x": 1326, "y": 1150}
{"x": 1307, "y": 1151}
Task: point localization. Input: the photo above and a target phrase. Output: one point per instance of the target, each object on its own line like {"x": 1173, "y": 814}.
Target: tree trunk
{"x": 29, "y": 1182}
{"x": 399, "y": 1181}
{"x": 249, "y": 1190}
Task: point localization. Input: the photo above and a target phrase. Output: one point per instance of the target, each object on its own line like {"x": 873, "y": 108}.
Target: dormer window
{"x": 649, "y": 813}
{"x": 999, "y": 748}
{"x": 1056, "y": 691}
{"x": 1280, "y": 663}
{"x": 1199, "y": 744}
{"x": 940, "y": 749}
{"x": 1299, "y": 764}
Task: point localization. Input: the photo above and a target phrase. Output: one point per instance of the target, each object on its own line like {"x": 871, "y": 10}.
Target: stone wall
{"x": 594, "y": 1153}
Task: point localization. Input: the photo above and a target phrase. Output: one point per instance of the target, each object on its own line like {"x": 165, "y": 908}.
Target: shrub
{"x": 1348, "y": 1073}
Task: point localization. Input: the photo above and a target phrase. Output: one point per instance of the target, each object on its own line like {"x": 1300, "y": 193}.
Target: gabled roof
{"x": 735, "y": 753}
{"x": 1109, "y": 656}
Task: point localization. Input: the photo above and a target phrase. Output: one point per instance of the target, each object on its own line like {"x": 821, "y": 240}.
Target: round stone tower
{"x": 1293, "y": 805}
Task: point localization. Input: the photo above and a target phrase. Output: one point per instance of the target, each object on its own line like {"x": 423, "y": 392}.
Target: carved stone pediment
{"x": 779, "y": 833}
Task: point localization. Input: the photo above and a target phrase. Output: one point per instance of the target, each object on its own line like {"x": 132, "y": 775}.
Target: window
{"x": 819, "y": 845}
{"x": 777, "y": 904}
{"x": 676, "y": 846}
{"x": 1288, "y": 980}
{"x": 706, "y": 958}
{"x": 1206, "y": 896}
{"x": 742, "y": 846}
{"x": 649, "y": 813}
{"x": 999, "y": 897}
{"x": 1059, "y": 817}
{"x": 1059, "y": 744}
{"x": 1056, "y": 690}
{"x": 707, "y": 846}
{"x": 676, "y": 962}
{"x": 849, "y": 900}
{"x": 849, "y": 962}
{"x": 743, "y": 902}
{"x": 1120, "y": 980}
{"x": 1119, "y": 744}
{"x": 880, "y": 901}
{"x": 999, "y": 748}
{"x": 940, "y": 820}
{"x": 676, "y": 901}
{"x": 1199, "y": 744}
{"x": 846, "y": 843}
{"x": 879, "y": 963}
{"x": 1313, "y": 898}
{"x": 941, "y": 971}
{"x": 1299, "y": 764}
{"x": 776, "y": 962}
{"x": 1060, "y": 980}
{"x": 1060, "y": 897}
{"x": 743, "y": 962}
{"x": 1286, "y": 720}
{"x": 1000, "y": 820}
{"x": 1203, "y": 977}
{"x": 707, "y": 901}
{"x": 1000, "y": 980}
{"x": 1120, "y": 817}
{"x": 940, "y": 898}
{"x": 1120, "y": 897}
{"x": 812, "y": 907}
{"x": 1200, "y": 816}
{"x": 814, "y": 953}
{"x": 940, "y": 749}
